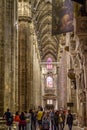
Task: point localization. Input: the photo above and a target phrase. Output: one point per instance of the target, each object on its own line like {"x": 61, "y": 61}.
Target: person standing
{"x": 45, "y": 122}
{"x": 28, "y": 120}
{"x": 9, "y": 118}
{"x": 17, "y": 119}
{"x": 60, "y": 120}
{"x": 52, "y": 113}
{"x": 39, "y": 117}
{"x": 56, "y": 120}
{"x": 22, "y": 123}
{"x": 69, "y": 120}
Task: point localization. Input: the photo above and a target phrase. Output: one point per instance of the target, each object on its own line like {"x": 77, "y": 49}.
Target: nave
{"x": 42, "y": 63}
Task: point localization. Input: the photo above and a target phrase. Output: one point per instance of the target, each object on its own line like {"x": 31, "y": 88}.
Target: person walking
{"x": 69, "y": 120}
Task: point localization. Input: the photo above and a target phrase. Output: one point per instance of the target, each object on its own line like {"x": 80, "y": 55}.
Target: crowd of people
{"x": 39, "y": 120}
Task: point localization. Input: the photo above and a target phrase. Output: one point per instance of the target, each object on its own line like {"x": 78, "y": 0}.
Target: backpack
{"x": 45, "y": 125}
{"x": 10, "y": 120}
{"x": 60, "y": 119}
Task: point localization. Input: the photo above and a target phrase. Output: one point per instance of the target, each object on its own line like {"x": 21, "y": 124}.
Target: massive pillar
{"x": 10, "y": 49}
{"x": 84, "y": 89}
{"x": 8, "y": 10}
{"x": 82, "y": 34}
{"x": 36, "y": 88}
{"x": 1, "y": 56}
{"x": 28, "y": 66}
{"x": 62, "y": 78}
{"x": 25, "y": 56}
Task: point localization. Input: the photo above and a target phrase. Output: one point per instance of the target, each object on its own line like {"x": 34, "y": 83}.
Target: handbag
{"x": 27, "y": 120}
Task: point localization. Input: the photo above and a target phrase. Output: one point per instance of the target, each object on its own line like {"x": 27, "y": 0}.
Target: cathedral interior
{"x": 38, "y": 68}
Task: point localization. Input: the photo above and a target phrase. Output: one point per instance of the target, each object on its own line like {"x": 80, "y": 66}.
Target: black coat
{"x": 69, "y": 119}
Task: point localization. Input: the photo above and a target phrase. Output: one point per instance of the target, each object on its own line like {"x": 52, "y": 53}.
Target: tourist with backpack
{"x": 45, "y": 122}
{"x": 9, "y": 118}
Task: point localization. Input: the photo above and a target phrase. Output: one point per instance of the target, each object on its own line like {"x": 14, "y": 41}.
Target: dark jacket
{"x": 69, "y": 119}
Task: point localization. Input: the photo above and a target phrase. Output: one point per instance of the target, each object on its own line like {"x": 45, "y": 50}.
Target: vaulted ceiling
{"x": 42, "y": 18}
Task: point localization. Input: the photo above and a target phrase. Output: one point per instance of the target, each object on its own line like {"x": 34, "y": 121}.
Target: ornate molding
{"x": 72, "y": 47}
{"x": 49, "y": 90}
{"x": 82, "y": 97}
{"x": 83, "y": 45}
{"x": 49, "y": 96}
{"x": 25, "y": 19}
{"x": 81, "y": 26}
{"x": 62, "y": 40}
{"x": 71, "y": 74}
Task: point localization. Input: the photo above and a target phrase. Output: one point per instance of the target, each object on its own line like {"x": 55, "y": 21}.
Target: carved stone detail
{"x": 72, "y": 47}
{"x": 67, "y": 48}
{"x": 71, "y": 74}
{"x": 83, "y": 45}
{"x": 82, "y": 97}
{"x": 25, "y": 18}
{"x": 62, "y": 40}
{"x": 81, "y": 24}
{"x": 24, "y": 9}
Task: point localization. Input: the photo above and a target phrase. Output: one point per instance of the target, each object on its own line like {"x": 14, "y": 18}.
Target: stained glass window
{"x": 49, "y": 63}
{"x": 49, "y": 82}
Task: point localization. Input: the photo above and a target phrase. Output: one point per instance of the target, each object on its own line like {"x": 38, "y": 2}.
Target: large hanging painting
{"x": 79, "y": 1}
{"x": 62, "y": 16}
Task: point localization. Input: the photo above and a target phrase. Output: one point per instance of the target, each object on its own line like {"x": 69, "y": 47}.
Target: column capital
{"x": 25, "y": 19}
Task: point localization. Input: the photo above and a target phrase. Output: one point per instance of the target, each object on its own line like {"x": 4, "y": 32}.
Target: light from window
{"x": 49, "y": 82}
{"x": 49, "y": 63}
{"x": 49, "y": 101}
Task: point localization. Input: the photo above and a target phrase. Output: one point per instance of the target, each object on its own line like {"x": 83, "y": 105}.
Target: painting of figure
{"x": 62, "y": 16}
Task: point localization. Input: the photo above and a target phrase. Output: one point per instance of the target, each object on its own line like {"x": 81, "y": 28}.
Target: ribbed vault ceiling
{"x": 42, "y": 18}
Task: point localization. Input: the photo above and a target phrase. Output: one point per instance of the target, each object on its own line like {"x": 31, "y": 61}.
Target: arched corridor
{"x": 41, "y": 64}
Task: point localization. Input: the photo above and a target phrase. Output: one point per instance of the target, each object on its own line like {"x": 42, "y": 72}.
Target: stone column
{"x": 62, "y": 83}
{"x": 31, "y": 69}
{"x": 23, "y": 60}
{"x": 85, "y": 76}
{"x": 7, "y": 55}
{"x": 25, "y": 76}
{"x": 15, "y": 58}
{"x": 81, "y": 31}
{"x": 1, "y": 57}
{"x": 36, "y": 87}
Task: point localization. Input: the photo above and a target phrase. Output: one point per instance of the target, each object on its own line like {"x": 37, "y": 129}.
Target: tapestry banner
{"x": 62, "y": 16}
